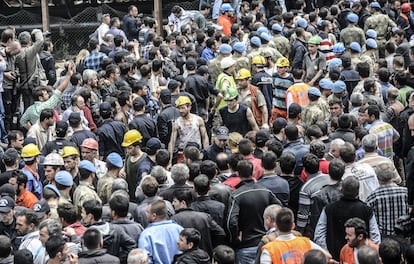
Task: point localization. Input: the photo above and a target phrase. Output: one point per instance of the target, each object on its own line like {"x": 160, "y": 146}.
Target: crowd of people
{"x": 244, "y": 132}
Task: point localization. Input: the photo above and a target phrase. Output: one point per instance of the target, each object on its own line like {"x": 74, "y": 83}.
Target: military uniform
{"x": 282, "y": 44}
{"x": 312, "y": 114}
{"x": 324, "y": 106}
{"x": 215, "y": 68}
{"x": 241, "y": 62}
{"x": 382, "y": 24}
{"x": 355, "y": 59}
{"x": 352, "y": 34}
{"x": 367, "y": 59}
{"x": 266, "y": 48}
{"x": 84, "y": 192}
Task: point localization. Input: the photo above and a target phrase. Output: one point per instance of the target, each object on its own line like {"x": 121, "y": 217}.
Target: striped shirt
{"x": 389, "y": 202}
{"x": 386, "y": 134}
{"x": 280, "y": 87}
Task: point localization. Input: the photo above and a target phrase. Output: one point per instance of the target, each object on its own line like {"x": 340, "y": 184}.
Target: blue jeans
{"x": 246, "y": 255}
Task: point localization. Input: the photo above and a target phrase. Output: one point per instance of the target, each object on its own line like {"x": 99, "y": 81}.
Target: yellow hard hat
{"x": 131, "y": 137}
{"x": 30, "y": 150}
{"x": 282, "y": 62}
{"x": 182, "y": 100}
{"x": 258, "y": 60}
{"x": 243, "y": 74}
{"x": 69, "y": 151}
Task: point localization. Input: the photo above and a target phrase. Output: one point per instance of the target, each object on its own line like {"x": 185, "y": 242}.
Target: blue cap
{"x": 64, "y": 178}
{"x": 261, "y": 30}
{"x": 256, "y": 41}
{"x": 335, "y": 63}
{"x": 314, "y": 91}
{"x": 239, "y": 47}
{"x": 355, "y": 46}
{"x": 326, "y": 84}
{"x": 115, "y": 159}
{"x": 53, "y": 188}
{"x": 375, "y": 5}
{"x": 87, "y": 165}
{"x": 277, "y": 27}
{"x": 338, "y": 47}
{"x": 301, "y": 22}
{"x": 371, "y": 43}
{"x": 338, "y": 87}
{"x": 265, "y": 36}
{"x": 225, "y": 49}
{"x": 226, "y": 7}
{"x": 352, "y": 17}
{"x": 371, "y": 33}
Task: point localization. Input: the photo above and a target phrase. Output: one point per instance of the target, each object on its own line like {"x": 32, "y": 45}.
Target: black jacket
{"x": 146, "y": 125}
{"x": 210, "y": 153}
{"x": 111, "y": 134}
{"x": 197, "y": 256}
{"x": 212, "y": 234}
{"x": 164, "y": 123}
{"x": 98, "y": 256}
{"x": 214, "y": 208}
{"x": 246, "y": 207}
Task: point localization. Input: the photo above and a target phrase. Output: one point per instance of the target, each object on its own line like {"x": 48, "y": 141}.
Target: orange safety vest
{"x": 299, "y": 93}
{"x": 288, "y": 251}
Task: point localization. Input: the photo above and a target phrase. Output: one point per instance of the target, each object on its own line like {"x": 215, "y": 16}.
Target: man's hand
{"x": 9, "y": 75}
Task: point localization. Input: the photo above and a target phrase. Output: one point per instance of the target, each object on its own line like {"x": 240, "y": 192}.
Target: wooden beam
{"x": 158, "y": 15}
{"x": 45, "y": 15}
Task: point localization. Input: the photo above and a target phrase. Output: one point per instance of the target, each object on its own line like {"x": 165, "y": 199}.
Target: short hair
{"x": 93, "y": 207}
{"x": 344, "y": 121}
{"x": 347, "y": 152}
{"x": 275, "y": 146}
{"x": 159, "y": 208}
{"x": 5, "y": 246}
{"x": 384, "y": 172}
{"x": 23, "y": 256}
{"x": 54, "y": 245}
{"x": 88, "y": 75}
{"x": 350, "y": 187}
{"x": 224, "y": 255}
{"x": 370, "y": 143}
{"x": 183, "y": 195}
{"x": 30, "y": 217}
{"x": 359, "y": 225}
{"x": 149, "y": 185}
{"x": 363, "y": 69}
{"x": 314, "y": 256}
{"x": 180, "y": 173}
{"x": 234, "y": 160}
{"x": 119, "y": 184}
{"x": 285, "y": 220}
{"x": 45, "y": 114}
{"x": 245, "y": 147}
{"x": 287, "y": 162}
{"x": 310, "y": 163}
{"x": 53, "y": 226}
{"x": 269, "y": 160}
{"x": 137, "y": 256}
{"x": 271, "y": 212}
{"x": 192, "y": 235}
{"x": 389, "y": 251}
{"x": 162, "y": 157}
{"x": 336, "y": 169}
{"x": 318, "y": 148}
{"x": 291, "y": 132}
{"x": 314, "y": 131}
{"x": 67, "y": 211}
{"x": 120, "y": 205}
{"x": 91, "y": 238}
{"x": 409, "y": 254}
{"x": 159, "y": 174}
{"x": 373, "y": 110}
{"x": 201, "y": 184}
{"x": 209, "y": 168}
{"x": 192, "y": 153}
{"x": 245, "y": 169}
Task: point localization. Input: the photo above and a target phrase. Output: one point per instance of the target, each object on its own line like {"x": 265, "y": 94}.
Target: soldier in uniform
{"x": 280, "y": 42}
{"x": 266, "y": 47}
{"x": 370, "y": 54}
{"x": 215, "y": 70}
{"x": 381, "y": 23}
{"x": 326, "y": 89}
{"x": 313, "y": 112}
{"x": 241, "y": 61}
{"x": 355, "y": 50}
{"x": 352, "y": 33}
{"x": 255, "y": 44}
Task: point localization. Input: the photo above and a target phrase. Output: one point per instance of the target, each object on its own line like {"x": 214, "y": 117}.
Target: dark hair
{"x": 359, "y": 225}
{"x": 336, "y": 169}
{"x": 223, "y": 254}
{"x": 21, "y": 178}
{"x": 193, "y": 170}
{"x": 93, "y": 207}
{"x": 54, "y": 245}
{"x": 390, "y": 251}
{"x": 344, "y": 121}
{"x": 202, "y": 184}
{"x": 285, "y": 220}
{"x": 5, "y": 246}
{"x": 245, "y": 147}
{"x": 209, "y": 168}
{"x": 183, "y": 195}
{"x": 347, "y": 152}
{"x": 192, "y": 235}
{"x": 91, "y": 238}
{"x": 269, "y": 160}
{"x": 275, "y": 146}
{"x": 45, "y": 114}
{"x": 369, "y": 255}
{"x": 84, "y": 174}
{"x": 310, "y": 163}
{"x": 67, "y": 211}
{"x": 30, "y": 217}
{"x": 159, "y": 207}
{"x": 120, "y": 205}
{"x": 314, "y": 256}
{"x": 192, "y": 153}
{"x": 23, "y": 256}
{"x": 234, "y": 160}
{"x": 149, "y": 186}
{"x": 363, "y": 69}
{"x": 291, "y": 132}
{"x": 245, "y": 169}
{"x": 287, "y": 162}
{"x": 162, "y": 157}
{"x": 373, "y": 110}
{"x": 223, "y": 163}
{"x": 314, "y": 131}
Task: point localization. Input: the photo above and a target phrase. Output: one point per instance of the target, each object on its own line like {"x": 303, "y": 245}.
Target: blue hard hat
{"x": 338, "y": 47}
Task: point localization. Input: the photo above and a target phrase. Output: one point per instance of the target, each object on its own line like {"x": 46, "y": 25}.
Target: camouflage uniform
{"x": 251, "y": 55}
{"x": 215, "y": 68}
{"x": 312, "y": 114}
{"x": 281, "y": 43}
{"x": 267, "y": 48}
{"x": 366, "y": 58}
{"x": 241, "y": 62}
{"x": 324, "y": 106}
{"x": 382, "y": 24}
{"x": 352, "y": 34}
{"x": 355, "y": 59}
{"x": 84, "y": 192}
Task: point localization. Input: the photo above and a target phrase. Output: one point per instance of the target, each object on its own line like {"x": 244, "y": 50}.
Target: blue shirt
{"x": 94, "y": 60}
{"x": 208, "y": 54}
{"x": 159, "y": 239}
{"x": 33, "y": 184}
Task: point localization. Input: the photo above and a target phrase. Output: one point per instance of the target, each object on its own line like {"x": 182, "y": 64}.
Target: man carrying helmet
{"x": 252, "y": 97}
{"x": 187, "y": 128}
{"x": 264, "y": 81}
{"x": 53, "y": 163}
{"x": 314, "y": 62}
{"x": 134, "y": 155}
{"x": 236, "y": 117}
{"x": 30, "y": 155}
{"x": 89, "y": 151}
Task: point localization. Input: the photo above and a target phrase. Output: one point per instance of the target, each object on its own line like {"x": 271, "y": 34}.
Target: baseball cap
{"x": 261, "y": 137}
{"x": 203, "y": 70}
{"x": 74, "y": 117}
{"x": 105, "y": 108}
{"x": 6, "y": 204}
{"x": 222, "y": 133}
{"x": 7, "y": 189}
{"x": 279, "y": 123}
{"x": 154, "y": 143}
{"x": 87, "y": 165}
{"x": 314, "y": 91}
{"x": 41, "y": 208}
{"x": 64, "y": 178}
{"x": 115, "y": 159}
